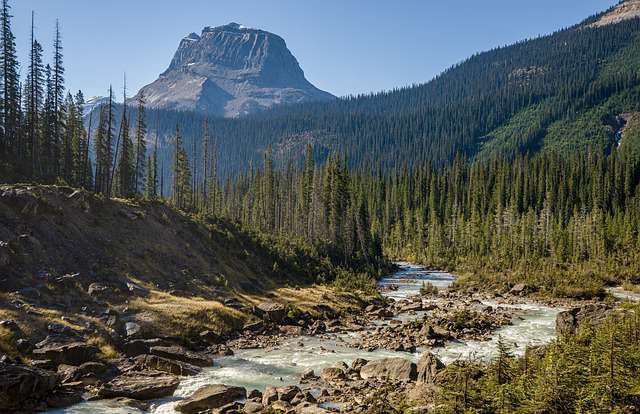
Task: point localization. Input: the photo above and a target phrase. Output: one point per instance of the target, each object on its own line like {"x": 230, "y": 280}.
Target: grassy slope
{"x": 186, "y": 266}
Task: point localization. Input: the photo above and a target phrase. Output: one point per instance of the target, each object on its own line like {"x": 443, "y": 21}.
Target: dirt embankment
{"x": 72, "y": 258}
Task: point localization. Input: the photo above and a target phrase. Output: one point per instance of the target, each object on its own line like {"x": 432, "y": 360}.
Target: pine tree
{"x": 141, "y": 147}
{"x": 10, "y": 104}
{"x": 57, "y": 84}
{"x": 34, "y": 98}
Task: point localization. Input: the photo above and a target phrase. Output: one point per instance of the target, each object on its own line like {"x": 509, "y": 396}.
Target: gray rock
{"x": 274, "y": 312}
{"x": 390, "y": 368}
{"x": 145, "y": 385}
{"x": 178, "y": 353}
{"x": 333, "y": 374}
{"x": 76, "y": 353}
{"x": 231, "y": 71}
{"x": 252, "y": 407}
{"x": 137, "y": 347}
{"x": 428, "y": 366}
{"x": 23, "y": 387}
{"x": 167, "y": 365}
{"x": 210, "y": 396}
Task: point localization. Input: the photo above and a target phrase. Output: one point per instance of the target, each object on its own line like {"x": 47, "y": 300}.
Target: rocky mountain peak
{"x": 231, "y": 70}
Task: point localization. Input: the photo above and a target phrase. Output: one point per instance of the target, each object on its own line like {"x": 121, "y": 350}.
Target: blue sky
{"x": 344, "y": 46}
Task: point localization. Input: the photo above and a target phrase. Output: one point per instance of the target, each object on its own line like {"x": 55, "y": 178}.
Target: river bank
{"x": 337, "y": 349}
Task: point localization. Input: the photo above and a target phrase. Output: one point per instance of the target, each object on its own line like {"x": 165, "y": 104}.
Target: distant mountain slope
{"x": 556, "y": 92}
{"x": 231, "y": 71}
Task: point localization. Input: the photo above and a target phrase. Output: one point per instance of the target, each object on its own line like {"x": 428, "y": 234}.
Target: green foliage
{"x": 428, "y": 289}
{"x": 349, "y": 281}
{"x": 596, "y": 371}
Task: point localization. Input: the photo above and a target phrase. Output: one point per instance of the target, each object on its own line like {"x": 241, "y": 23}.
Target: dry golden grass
{"x": 106, "y": 351}
{"x": 188, "y": 316}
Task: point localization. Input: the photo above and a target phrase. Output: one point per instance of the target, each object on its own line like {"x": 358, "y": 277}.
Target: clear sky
{"x": 344, "y": 46}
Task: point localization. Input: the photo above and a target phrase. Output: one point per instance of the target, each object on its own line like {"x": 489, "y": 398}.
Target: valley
{"x": 230, "y": 238}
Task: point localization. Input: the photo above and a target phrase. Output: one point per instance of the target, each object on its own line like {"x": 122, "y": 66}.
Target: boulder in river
{"x": 210, "y": 397}
{"x": 390, "y": 368}
{"x": 145, "y": 385}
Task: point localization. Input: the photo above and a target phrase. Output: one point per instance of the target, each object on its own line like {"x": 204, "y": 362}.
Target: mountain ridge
{"x": 231, "y": 71}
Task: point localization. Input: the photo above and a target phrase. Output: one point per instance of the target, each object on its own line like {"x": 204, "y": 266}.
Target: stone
{"x": 10, "y": 325}
{"x": 252, "y": 407}
{"x": 145, "y": 385}
{"x": 291, "y": 330}
{"x": 254, "y": 394}
{"x": 97, "y": 289}
{"x": 390, "y": 368}
{"x": 255, "y": 327}
{"x": 568, "y": 322}
{"x": 287, "y": 393}
{"x": 333, "y": 374}
{"x": 128, "y": 403}
{"x": 519, "y": 289}
{"x": 271, "y": 311}
{"x": 308, "y": 374}
{"x": 137, "y": 347}
{"x": 358, "y": 363}
{"x": 70, "y": 373}
{"x": 210, "y": 396}
{"x": 24, "y": 346}
{"x": 132, "y": 330}
{"x": 312, "y": 409}
{"x": 21, "y": 386}
{"x": 428, "y": 367}
{"x": 270, "y": 395}
{"x": 76, "y": 353}
{"x": 60, "y": 329}
{"x": 167, "y": 365}
{"x": 178, "y": 353}
{"x": 283, "y": 406}
{"x": 210, "y": 337}
{"x": 61, "y": 398}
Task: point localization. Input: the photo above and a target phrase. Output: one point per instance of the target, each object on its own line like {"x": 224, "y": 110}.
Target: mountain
{"x": 231, "y": 71}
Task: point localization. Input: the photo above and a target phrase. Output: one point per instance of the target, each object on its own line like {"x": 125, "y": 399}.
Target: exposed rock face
{"x": 568, "y": 322}
{"x": 232, "y": 71}
{"x": 76, "y": 353}
{"x": 180, "y": 354}
{"x": 428, "y": 366}
{"x": 23, "y": 388}
{"x": 626, "y": 10}
{"x": 210, "y": 396}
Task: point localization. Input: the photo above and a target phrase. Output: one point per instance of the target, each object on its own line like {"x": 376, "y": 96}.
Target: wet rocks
{"x": 210, "y": 397}
{"x": 24, "y": 388}
{"x": 145, "y": 385}
{"x": 390, "y": 368}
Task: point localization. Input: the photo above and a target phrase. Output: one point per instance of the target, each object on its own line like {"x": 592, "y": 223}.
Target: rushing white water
{"x": 620, "y": 293}
{"x": 258, "y": 368}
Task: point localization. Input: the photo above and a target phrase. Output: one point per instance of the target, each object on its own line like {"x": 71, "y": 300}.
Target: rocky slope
{"x": 626, "y": 10}
{"x": 232, "y": 71}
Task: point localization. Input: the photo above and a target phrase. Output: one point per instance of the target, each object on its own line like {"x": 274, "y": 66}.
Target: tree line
{"x": 43, "y": 136}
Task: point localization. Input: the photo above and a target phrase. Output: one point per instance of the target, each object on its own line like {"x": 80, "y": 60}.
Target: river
{"x": 257, "y": 368}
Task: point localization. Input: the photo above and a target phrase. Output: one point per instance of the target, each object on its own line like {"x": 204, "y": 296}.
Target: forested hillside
{"x": 563, "y": 91}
